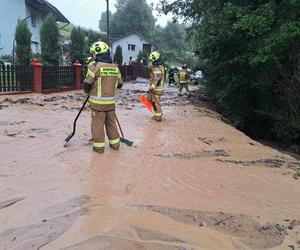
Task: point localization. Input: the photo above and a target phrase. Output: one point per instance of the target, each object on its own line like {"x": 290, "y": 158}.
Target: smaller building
{"x": 131, "y": 44}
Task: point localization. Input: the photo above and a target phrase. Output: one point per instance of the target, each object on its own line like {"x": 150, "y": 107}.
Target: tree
{"x": 77, "y": 47}
{"x": 143, "y": 56}
{"x": 94, "y": 36}
{"x": 118, "y": 57}
{"x": 103, "y": 21}
{"x": 251, "y": 60}
{"x": 138, "y": 16}
{"x": 23, "y": 43}
{"x": 49, "y": 41}
{"x": 170, "y": 40}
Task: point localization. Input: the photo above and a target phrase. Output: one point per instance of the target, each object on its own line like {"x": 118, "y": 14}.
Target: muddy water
{"x": 189, "y": 182}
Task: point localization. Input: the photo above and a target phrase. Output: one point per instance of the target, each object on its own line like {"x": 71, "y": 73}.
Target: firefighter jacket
{"x": 103, "y": 79}
{"x": 183, "y": 76}
{"x": 157, "y": 79}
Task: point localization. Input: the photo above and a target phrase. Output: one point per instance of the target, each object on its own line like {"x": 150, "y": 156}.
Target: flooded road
{"x": 189, "y": 182}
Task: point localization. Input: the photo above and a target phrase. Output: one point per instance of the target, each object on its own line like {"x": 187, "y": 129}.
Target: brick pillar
{"x": 77, "y": 71}
{"x": 37, "y": 71}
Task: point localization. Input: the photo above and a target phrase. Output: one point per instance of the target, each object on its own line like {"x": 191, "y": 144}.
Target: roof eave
{"x": 49, "y": 8}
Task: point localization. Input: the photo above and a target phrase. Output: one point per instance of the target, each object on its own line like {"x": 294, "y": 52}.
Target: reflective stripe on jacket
{"x": 183, "y": 76}
{"x": 157, "y": 80}
{"x": 104, "y": 78}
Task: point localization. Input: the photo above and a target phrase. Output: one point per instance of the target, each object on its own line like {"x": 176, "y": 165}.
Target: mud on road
{"x": 189, "y": 182}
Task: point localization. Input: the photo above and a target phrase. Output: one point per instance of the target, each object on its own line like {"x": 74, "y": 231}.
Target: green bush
{"x": 49, "y": 41}
{"x": 250, "y": 54}
{"x": 77, "y": 47}
{"x": 118, "y": 56}
{"x": 23, "y": 43}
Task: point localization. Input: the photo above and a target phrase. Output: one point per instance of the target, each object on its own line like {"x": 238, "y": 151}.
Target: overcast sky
{"x": 87, "y": 13}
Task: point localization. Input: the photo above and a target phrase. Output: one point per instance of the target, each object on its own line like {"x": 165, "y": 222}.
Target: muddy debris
{"x": 205, "y": 140}
{"x": 12, "y": 133}
{"x": 246, "y": 229}
{"x": 210, "y": 141}
{"x": 270, "y": 163}
{"x": 39, "y": 130}
{"x": 293, "y": 224}
{"x": 5, "y": 204}
{"x": 197, "y": 155}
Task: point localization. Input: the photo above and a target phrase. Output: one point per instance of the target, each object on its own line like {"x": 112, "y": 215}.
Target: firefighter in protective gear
{"x": 102, "y": 79}
{"x": 157, "y": 79}
{"x": 183, "y": 77}
{"x": 171, "y": 76}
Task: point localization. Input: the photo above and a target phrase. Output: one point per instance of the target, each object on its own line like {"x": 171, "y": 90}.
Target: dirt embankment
{"x": 189, "y": 182}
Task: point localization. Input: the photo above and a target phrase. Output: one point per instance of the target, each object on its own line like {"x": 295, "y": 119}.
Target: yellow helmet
{"x": 99, "y": 48}
{"x": 154, "y": 56}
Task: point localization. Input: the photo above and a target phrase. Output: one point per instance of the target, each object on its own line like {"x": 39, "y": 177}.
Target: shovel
{"x": 74, "y": 124}
{"x": 125, "y": 141}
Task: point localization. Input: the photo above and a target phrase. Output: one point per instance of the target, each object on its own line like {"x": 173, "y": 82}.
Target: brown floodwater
{"x": 189, "y": 182}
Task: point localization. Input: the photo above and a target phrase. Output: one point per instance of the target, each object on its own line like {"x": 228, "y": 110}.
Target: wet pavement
{"x": 189, "y": 182}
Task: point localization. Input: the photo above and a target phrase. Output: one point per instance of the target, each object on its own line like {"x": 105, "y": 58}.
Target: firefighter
{"x": 183, "y": 77}
{"x": 171, "y": 76}
{"x": 102, "y": 79}
{"x": 157, "y": 79}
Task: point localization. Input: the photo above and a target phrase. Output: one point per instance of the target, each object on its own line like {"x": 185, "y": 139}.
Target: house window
{"x": 34, "y": 47}
{"x": 131, "y": 47}
{"x": 33, "y": 20}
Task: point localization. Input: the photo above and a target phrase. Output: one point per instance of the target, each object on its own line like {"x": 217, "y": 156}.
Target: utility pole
{"x": 107, "y": 20}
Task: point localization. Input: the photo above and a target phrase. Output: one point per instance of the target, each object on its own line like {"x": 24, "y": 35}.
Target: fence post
{"x": 133, "y": 71}
{"x": 77, "y": 71}
{"x": 125, "y": 72}
{"x": 37, "y": 71}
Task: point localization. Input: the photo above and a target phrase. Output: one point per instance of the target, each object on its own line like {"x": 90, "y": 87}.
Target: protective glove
{"x": 87, "y": 88}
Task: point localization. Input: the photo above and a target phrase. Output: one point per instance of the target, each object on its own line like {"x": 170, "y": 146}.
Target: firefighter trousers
{"x": 155, "y": 100}
{"x": 101, "y": 119}
{"x": 184, "y": 85}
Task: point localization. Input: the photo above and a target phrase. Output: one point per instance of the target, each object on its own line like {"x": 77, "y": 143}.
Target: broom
{"x": 125, "y": 141}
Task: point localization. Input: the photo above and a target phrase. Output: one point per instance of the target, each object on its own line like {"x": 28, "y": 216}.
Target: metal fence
{"x": 127, "y": 71}
{"x": 20, "y": 78}
{"x": 57, "y": 77}
{"x": 139, "y": 70}
{"x": 15, "y": 78}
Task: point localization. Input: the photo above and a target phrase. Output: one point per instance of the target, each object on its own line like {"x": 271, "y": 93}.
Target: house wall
{"x": 10, "y": 12}
{"x": 35, "y": 31}
{"x": 131, "y": 39}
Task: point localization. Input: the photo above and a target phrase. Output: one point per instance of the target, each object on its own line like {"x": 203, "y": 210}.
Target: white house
{"x": 31, "y": 11}
{"x": 132, "y": 43}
